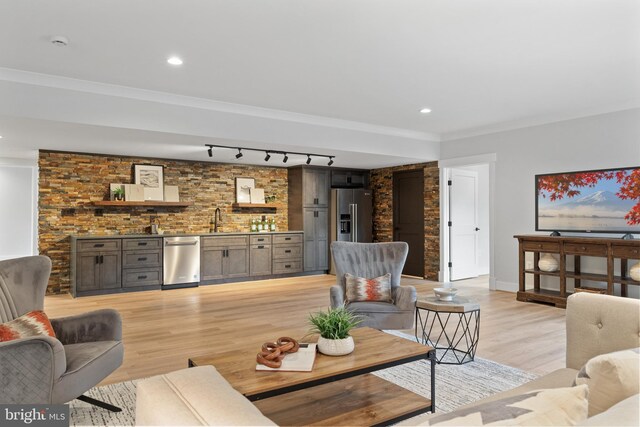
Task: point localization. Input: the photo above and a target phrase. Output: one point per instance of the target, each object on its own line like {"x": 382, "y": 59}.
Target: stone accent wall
{"x": 69, "y": 182}
{"x": 381, "y": 183}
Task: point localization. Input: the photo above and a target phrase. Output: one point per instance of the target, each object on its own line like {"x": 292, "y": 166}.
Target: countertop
{"x": 147, "y": 236}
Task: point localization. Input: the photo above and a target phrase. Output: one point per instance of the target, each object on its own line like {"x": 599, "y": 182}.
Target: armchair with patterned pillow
{"x": 57, "y": 363}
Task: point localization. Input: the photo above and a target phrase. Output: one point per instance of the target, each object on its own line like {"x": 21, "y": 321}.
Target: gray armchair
{"x": 42, "y": 369}
{"x": 372, "y": 260}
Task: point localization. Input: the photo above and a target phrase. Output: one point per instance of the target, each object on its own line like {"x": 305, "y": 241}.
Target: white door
{"x": 463, "y": 224}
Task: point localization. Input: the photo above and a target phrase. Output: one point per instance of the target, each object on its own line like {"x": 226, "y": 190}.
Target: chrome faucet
{"x": 217, "y": 216}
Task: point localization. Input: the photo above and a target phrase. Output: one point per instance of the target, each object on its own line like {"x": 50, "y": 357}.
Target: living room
{"x": 139, "y": 138}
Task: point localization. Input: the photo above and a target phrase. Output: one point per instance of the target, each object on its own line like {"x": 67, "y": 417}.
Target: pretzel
{"x": 288, "y": 345}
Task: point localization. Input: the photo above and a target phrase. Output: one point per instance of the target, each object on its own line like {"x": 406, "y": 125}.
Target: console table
{"x": 577, "y": 247}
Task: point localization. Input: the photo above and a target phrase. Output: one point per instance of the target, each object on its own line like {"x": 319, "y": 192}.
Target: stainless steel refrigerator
{"x": 351, "y": 216}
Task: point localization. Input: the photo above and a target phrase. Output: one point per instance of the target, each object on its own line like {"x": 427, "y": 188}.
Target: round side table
{"x": 455, "y": 342}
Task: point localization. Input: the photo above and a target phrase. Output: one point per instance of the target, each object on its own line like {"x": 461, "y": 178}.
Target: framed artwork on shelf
{"x": 151, "y": 177}
{"x": 243, "y": 189}
{"x": 257, "y": 196}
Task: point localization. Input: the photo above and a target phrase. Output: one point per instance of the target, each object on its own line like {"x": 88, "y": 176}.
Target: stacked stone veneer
{"x": 381, "y": 183}
{"x": 72, "y": 181}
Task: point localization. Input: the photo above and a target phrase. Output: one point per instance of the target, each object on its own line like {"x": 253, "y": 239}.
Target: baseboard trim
{"x": 506, "y": 286}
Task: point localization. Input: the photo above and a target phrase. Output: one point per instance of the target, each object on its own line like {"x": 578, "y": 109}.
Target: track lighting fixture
{"x": 268, "y": 153}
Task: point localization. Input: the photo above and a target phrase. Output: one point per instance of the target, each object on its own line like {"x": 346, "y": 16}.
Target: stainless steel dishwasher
{"x": 181, "y": 261}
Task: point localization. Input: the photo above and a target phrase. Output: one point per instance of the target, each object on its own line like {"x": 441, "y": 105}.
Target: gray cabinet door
{"x": 237, "y": 262}
{"x": 110, "y": 270}
{"x": 87, "y": 271}
{"x": 309, "y": 221}
{"x": 322, "y": 239}
{"x": 212, "y": 263}
{"x": 315, "y": 188}
{"x": 260, "y": 260}
{"x": 308, "y": 187}
{"x": 322, "y": 187}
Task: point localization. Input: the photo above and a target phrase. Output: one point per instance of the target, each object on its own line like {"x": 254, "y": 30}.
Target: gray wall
{"x": 597, "y": 142}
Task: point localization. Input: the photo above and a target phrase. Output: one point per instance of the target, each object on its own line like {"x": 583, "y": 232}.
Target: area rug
{"x": 455, "y": 386}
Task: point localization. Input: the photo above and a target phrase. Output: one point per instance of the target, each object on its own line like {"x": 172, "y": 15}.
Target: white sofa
{"x": 596, "y": 324}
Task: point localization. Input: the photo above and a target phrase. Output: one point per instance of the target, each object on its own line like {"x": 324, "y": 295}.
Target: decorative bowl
{"x": 445, "y": 294}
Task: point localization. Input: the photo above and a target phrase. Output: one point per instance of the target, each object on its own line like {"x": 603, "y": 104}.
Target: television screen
{"x": 600, "y": 201}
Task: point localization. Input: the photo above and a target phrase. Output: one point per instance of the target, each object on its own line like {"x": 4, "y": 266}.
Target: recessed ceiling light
{"x": 0, "y": 136}
{"x": 174, "y": 60}
{"x": 425, "y": 110}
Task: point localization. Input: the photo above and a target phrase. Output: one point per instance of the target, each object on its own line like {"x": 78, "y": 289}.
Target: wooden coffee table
{"x": 339, "y": 390}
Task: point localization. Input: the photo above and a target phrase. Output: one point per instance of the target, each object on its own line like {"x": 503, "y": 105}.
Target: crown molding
{"x": 537, "y": 121}
{"x": 59, "y": 82}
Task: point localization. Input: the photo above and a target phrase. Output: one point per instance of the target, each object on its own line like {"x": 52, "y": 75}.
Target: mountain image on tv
{"x": 606, "y": 201}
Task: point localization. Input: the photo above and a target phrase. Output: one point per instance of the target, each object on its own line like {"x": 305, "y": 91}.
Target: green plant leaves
{"x": 335, "y": 323}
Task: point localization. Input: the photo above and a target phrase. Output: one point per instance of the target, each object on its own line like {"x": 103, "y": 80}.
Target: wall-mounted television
{"x": 597, "y": 201}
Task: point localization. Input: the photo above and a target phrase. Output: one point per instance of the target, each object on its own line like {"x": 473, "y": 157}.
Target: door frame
{"x": 395, "y": 205}
{"x": 445, "y": 166}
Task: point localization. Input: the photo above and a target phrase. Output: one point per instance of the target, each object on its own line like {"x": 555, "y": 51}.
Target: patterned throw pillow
{"x": 549, "y": 407}
{"x": 611, "y": 378}
{"x": 29, "y": 325}
{"x": 361, "y": 289}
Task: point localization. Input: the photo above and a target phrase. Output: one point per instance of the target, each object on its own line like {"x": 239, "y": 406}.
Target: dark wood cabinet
{"x": 600, "y": 247}
{"x": 309, "y": 195}
{"x": 224, "y": 257}
{"x": 260, "y": 260}
{"x": 341, "y": 178}
{"x": 97, "y": 266}
{"x": 212, "y": 263}
{"x": 142, "y": 263}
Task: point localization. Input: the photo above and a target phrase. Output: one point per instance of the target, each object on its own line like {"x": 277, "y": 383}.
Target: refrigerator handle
{"x": 353, "y": 228}
{"x": 354, "y": 222}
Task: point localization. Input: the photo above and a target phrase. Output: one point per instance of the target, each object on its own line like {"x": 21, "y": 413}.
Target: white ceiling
{"x": 321, "y": 72}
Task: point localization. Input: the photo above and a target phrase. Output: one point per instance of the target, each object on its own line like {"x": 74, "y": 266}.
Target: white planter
{"x": 336, "y": 347}
{"x": 634, "y": 272}
{"x": 548, "y": 262}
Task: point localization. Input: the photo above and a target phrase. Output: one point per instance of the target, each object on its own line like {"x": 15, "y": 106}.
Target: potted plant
{"x": 118, "y": 193}
{"x": 333, "y": 326}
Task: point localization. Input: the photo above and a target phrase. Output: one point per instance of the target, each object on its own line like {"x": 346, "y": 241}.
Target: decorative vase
{"x": 548, "y": 262}
{"x": 634, "y": 271}
{"x": 336, "y": 347}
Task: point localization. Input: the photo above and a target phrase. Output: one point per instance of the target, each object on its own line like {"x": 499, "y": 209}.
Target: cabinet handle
{"x": 142, "y": 277}
{"x": 260, "y": 240}
{"x": 287, "y": 238}
{"x": 142, "y": 243}
{"x": 288, "y": 251}
{"x": 97, "y": 259}
{"x": 101, "y": 259}
{"x": 142, "y": 259}
{"x": 287, "y": 266}
{"x": 260, "y": 247}
{"x": 98, "y": 245}
{"x": 348, "y": 180}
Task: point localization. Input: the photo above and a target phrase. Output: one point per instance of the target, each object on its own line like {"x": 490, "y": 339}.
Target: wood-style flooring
{"x": 163, "y": 329}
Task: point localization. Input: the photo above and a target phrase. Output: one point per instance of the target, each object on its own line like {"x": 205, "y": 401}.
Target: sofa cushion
{"x": 194, "y": 396}
{"x": 611, "y": 377}
{"x": 557, "y": 406}
{"x": 28, "y": 325}
{"x": 363, "y": 289}
{"x": 624, "y": 413}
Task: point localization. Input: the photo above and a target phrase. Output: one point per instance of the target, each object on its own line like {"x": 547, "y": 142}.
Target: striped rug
{"x": 455, "y": 386}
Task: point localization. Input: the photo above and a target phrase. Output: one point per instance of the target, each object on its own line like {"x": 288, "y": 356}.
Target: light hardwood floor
{"x": 162, "y": 329}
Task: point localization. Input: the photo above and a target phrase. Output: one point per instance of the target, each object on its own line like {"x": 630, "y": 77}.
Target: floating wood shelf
{"x": 146, "y": 203}
{"x": 254, "y": 206}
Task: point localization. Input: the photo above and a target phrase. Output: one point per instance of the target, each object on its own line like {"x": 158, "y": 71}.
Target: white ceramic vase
{"x": 548, "y": 262}
{"x": 336, "y": 347}
{"x": 634, "y": 271}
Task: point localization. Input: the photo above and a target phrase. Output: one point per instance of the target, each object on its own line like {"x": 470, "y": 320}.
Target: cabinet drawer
{"x": 585, "y": 249}
{"x": 287, "y": 252}
{"x": 139, "y": 259}
{"x": 130, "y": 244}
{"x": 541, "y": 246}
{"x": 280, "y": 239}
{"x": 280, "y": 267}
{"x": 98, "y": 245}
{"x": 225, "y": 241}
{"x": 141, "y": 277}
{"x": 265, "y": 247}
{"x": 260, "y": 240}
{"x": 631, "y": 252}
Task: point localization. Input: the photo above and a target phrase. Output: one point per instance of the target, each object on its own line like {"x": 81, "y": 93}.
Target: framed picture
{"x": 243, "y": 189}
{"x": 151, "y": 177}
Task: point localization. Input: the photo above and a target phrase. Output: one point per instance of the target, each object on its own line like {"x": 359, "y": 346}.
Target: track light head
{"x": 267, "y": 157}
{"x": 210, "y": 151}
{"x": 285, "y": 158}
{"x": 239, "y": 153}
{"x": 308, "y": 159}
{"x": 330, "y": 161}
